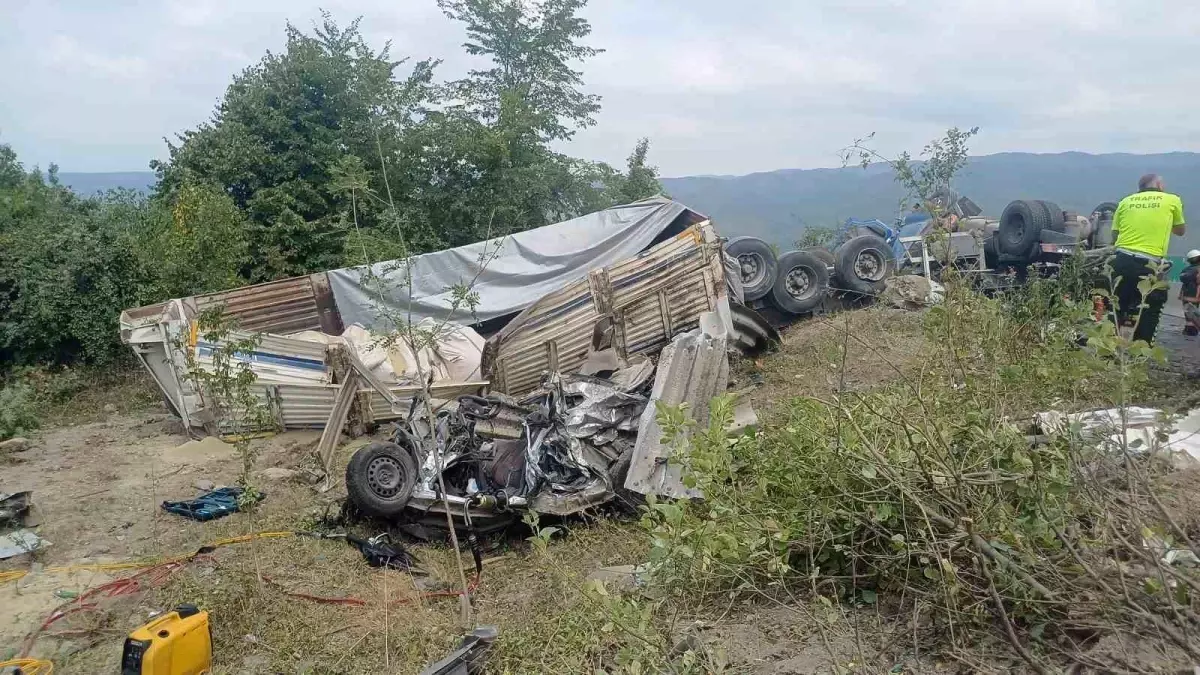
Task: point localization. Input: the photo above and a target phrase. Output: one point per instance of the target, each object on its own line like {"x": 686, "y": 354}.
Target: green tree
{"x": 531, "y": 83}
{"x": 283, "y": 125}
{"x": 640, "y": 179}
{"x": 203, "y": 248}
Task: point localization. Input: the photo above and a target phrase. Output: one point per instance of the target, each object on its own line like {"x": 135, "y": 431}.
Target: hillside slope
{"x": 777, "y": 205}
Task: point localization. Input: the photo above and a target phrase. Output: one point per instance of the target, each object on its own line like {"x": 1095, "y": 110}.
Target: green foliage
{"x": 282, "y": 127}
{"x": 204, "y": 249}
{"x": 322, "y": 155}
{"x": 640, "y": 179}
{"x": 70, "y": 265}
{"x": 18, "y": 410}
{"x": 817, "y": 236}
{"x": 531, "y": 86}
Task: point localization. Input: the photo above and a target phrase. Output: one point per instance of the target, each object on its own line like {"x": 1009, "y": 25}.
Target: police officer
{"x": 1143, "y": 225}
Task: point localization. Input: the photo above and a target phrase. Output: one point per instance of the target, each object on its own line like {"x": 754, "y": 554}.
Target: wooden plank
{"x": 337, "y": 420}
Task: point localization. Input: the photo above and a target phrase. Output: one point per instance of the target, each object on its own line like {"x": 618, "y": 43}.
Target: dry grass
{"x": 258, "y": 628}
{"x": 886, "y": 344}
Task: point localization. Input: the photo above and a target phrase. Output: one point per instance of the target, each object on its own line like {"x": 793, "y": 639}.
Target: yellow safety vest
{"x": 1143, "y": 222}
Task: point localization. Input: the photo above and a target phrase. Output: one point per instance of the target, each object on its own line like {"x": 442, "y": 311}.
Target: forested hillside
{"x": 777, "y": 205}
{"x": 328, "y": 153}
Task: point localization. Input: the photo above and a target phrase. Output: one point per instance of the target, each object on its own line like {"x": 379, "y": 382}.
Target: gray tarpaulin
{"x": 526, "y": 266}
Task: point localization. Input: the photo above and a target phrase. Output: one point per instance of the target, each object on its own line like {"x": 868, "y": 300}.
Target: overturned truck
{"x": 590, "y": 298}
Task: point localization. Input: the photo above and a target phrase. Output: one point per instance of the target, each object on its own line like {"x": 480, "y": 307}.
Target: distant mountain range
{"x": 91, "y": 183}
{"x": 778, "y": 205}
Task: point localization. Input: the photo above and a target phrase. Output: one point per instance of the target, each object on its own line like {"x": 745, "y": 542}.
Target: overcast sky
{"x": 719, "y": 86}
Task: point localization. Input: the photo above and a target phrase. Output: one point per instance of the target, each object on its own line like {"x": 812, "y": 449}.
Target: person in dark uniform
{"x": 1189, "y": 293}
{"x": 1142, "y": 226}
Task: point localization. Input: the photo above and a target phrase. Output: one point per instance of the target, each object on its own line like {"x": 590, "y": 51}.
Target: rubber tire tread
{"x": 848, "y": 252}
{"x": 789, "y": 261}
{"x": 742, "y": 245}
{"x": 360, "y": 493}
{"x": 1055, "y": 215}
{"x": 1036, "y": 218}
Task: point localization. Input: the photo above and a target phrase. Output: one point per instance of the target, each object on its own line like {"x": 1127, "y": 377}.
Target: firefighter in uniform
{"x": 1142, "y": 226}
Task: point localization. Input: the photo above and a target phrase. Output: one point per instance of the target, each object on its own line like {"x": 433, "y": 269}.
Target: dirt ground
{"x": 883, "y": 344}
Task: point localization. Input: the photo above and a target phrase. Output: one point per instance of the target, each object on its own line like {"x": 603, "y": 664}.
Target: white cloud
{"x": 65, "y": 53}
{"x": 719, "y": 87}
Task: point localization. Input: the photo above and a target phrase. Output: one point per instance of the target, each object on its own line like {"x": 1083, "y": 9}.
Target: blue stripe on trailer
{"x": 302, "y": 363}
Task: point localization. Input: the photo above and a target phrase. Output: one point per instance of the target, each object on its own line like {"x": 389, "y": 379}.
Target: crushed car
{"x": 579, "y": 441}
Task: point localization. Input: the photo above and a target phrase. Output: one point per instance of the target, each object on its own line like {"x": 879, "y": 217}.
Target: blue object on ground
{"x": 210, "y": 505}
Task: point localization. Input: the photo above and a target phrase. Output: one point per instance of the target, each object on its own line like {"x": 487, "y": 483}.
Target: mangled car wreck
{"x": 553, "y": 412}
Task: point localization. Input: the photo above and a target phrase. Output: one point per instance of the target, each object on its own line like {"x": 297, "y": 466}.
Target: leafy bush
{"x": 18, "y": 411}
{"x": 927, "y": 493}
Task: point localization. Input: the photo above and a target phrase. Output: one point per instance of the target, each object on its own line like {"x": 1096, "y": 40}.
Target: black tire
{"x": 758, "y": 265}
{"x": 823, "y": 254}
{"x": 1102, "y": 219}
{"x": 1104, "y": 209}
{"x": 380, "y": 479}
{"x": 801, "y": 283}
{"x": 1055, "y": 215}
{"x": 863, "y": 264}
{"x": 1020, "y": 226}
{"x": 991, "y": 251}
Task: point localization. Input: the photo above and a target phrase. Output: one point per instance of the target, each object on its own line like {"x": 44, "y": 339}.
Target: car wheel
{"x": 380, "y": 479}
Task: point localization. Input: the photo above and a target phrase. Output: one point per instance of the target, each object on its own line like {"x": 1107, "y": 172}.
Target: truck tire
{"x": 380, "y": 479}
{"x": 823, "y": 254}
{"x": 991, "y": 251}
{"x": 801, "y": 284}
{"x": 863, "y": 264}
{"x": 1104, "y": 210}
{"x": 1020, "y": 226}
{"x": 1102, "y": 220}
{"x": 757, "y": 263}
{"x": 1055, "y": 215}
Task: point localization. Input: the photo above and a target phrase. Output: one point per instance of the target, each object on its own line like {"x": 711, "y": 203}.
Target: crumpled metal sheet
{"x": 17, "y": 543}
{"x": 604, "y": 407}
{"x": 693, "y": 369}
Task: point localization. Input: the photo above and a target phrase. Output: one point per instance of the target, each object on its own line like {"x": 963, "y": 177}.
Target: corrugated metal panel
{"x": 693, "y": 369}
{"x": 284, "y": 306}
{"x": 306, "y": 406}
{"x": 654, "y": 295}
{"x": 381, "y": 410}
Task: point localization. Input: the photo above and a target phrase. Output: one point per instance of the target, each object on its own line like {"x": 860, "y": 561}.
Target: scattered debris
{"x": 469, "y": 658}
{"x": 14, "y": 507}
{"x": 210, "y": 505}
{"x": 20, "y": 542}
{"x": 913, "y": 292}
{"x": 1141, "y": 429}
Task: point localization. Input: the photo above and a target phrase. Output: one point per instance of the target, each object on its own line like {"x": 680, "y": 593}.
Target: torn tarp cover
{"x": 519, "y": 268}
